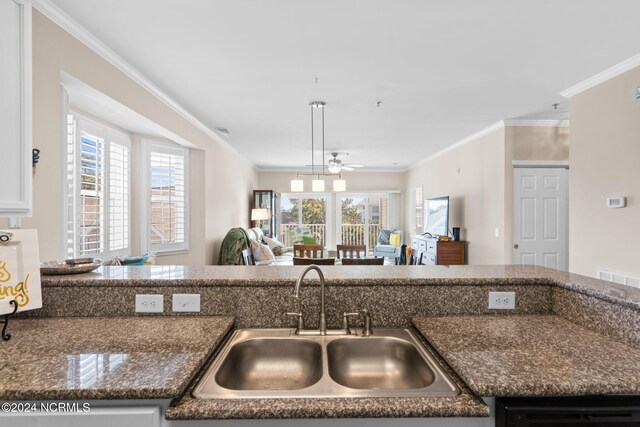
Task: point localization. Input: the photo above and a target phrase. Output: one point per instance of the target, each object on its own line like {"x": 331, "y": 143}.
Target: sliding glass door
{"x": 303, "y": 210}
{"x": 360, "y": 218}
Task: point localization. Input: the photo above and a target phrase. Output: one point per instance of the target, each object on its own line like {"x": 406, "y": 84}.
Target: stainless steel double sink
{"x": 271, "y": 363}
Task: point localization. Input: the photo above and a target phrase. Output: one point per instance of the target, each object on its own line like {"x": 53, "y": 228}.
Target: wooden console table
{"x": 430, "y": 251}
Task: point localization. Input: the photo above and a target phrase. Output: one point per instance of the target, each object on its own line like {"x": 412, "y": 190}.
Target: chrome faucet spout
{"x": 296, "y": 293}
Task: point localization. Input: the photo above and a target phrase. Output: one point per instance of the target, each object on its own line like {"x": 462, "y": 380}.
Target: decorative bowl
{"x": 69, "y": 266}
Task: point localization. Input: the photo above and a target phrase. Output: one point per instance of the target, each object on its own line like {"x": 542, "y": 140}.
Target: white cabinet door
{"x": 15, "y": 108}
{"x": 145, "y": 416}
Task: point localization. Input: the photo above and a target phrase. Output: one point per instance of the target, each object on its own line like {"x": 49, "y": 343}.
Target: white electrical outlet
{"x": 502, "y": 300}
{"x": 149, "y": 303}
{"x": 497, "y": 232}
{"x": 186, "y": 303}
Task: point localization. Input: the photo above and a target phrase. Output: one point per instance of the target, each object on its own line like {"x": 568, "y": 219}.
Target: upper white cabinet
{"x": 15, "y": 108}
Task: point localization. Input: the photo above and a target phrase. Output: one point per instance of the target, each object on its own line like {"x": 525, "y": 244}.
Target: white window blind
{"x": 97, "y": 196}
{"x": 166, "y": 188}
{"x": 91, "y": 203}
{"x": 118, "y": 196}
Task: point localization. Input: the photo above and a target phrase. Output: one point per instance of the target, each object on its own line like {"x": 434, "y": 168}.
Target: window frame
{"x": 328, "y": 197}
{"x": 367, "y": 214}
{"x": 109, "y": 134}
{"x": 148, "y": 146}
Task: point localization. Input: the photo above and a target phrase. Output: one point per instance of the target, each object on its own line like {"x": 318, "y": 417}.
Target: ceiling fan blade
{"x": 347, "y": 168}
{"x": 355, "y": 165}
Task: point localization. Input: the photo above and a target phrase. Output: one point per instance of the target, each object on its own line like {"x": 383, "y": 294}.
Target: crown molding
{"x": 537, "y": 123}
{"x": 64, "y": 21}
{"x": 602, "y": 77}
{"x": 491, "y": 128}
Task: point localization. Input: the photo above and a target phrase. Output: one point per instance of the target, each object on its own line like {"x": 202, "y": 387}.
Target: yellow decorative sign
{"x": 20, "y": 272}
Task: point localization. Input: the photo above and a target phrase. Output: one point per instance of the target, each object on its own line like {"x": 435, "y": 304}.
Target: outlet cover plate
{"x": 186, "y": 303}
{"x": 502, "y": 300}
{"x": 149, "y": 303}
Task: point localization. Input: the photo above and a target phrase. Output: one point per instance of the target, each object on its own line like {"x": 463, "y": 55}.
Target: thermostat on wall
{"x": 616, "y": 202}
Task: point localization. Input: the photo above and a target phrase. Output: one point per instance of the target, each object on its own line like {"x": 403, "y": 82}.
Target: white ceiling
{"x": 443, "y": 69}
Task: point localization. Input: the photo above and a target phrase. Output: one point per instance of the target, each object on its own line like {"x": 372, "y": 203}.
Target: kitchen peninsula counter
{"x": 146, "y": 357}
{"x": 532, "y": 356}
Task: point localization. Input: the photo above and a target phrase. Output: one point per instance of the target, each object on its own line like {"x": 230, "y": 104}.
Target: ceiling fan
{"x": 335, "y": 164}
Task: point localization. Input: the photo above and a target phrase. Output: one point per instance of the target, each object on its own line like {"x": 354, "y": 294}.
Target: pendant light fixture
{"x": 297, "y": 185}
{"x": 317, "y": 184}
{"x": 339, "y": 185}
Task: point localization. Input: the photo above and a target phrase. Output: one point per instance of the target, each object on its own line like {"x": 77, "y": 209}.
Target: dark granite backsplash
{"x": 264, "y": 305}
{"x": 258, "y": 296}
{"x": 616, "y": 321}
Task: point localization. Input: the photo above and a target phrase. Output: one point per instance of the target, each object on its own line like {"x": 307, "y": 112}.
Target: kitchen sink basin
{"x": 271, "y": 364}
{"x": 276, "y": 363}
{"x": 378, "y": 363}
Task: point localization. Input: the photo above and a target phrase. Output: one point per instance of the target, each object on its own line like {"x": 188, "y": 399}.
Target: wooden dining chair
{"x": 351, "y": 251}
{"x": 362, "y": 261}
{"x": 316, "y": 261}
{"x": 307, "y": 251}
{"x": 247, "y": 257}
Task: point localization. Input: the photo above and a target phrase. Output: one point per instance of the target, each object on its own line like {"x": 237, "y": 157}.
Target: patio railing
{"x": 319, "y": 231}
{"x": 350, "y": 234}
{"x": 354, "y": 234}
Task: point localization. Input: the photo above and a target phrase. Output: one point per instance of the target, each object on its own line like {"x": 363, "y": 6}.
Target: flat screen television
{"x": 436, "y": 214}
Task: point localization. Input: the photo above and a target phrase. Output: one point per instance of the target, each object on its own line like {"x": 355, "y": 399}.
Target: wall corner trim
{"x": 60, "y": 18}
{"x": 602, "y": 77}
{"x": 491, "y": 128}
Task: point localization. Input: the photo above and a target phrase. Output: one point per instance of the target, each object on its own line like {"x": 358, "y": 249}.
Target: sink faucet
{"x": 296, "y": 293}
{"x": 366, "y": 330}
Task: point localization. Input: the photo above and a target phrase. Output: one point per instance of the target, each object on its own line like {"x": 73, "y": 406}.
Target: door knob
{"x": 516, "y": 246}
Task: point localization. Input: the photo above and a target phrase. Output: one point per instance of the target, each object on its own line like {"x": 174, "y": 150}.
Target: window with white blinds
{"x": 166, "y": 221}
{"x": 98, "y": 189}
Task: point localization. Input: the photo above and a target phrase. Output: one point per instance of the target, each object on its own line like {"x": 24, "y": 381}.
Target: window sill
{"x": 171, "y": 252}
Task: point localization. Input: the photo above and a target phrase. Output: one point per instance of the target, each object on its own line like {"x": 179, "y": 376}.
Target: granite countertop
{"x": 466, "y": 404}
{"x": 177, "y": 275}
{"x": 144, "y": 357}
{"x": 532, "y": 356}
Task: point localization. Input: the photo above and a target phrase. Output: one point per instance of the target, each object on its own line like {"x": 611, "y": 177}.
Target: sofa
{"x": 257, "y": 237}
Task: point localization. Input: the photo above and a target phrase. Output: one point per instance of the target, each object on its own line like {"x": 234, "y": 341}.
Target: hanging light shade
{"x": 317, "y": 185}
{"x": 297, "y": 185}
{"x": 339, "y": 185}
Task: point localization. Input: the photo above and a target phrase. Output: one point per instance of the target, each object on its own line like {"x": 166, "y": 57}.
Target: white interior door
{"x": 541, "y": 217}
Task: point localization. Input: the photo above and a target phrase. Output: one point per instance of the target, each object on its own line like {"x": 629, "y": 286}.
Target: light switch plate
{"x": 149, "y": 303}
{"x": 186, "y": 303}
{"x": 502, "y": 300}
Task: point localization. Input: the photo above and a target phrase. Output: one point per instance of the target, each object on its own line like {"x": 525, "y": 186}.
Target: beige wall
{"x": 221, "y": 180}
{"x": 605, "y": 162}
{"x": 472, "y": 175}
{"x": 529, "y": 143}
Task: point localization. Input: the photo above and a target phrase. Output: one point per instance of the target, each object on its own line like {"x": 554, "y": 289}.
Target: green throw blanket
{"x": 232, "y": 246}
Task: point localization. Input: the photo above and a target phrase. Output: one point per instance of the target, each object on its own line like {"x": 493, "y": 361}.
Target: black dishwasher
{"x": 587, "y": 411}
